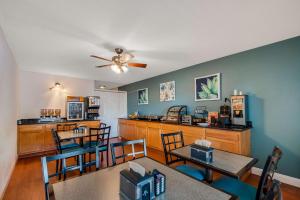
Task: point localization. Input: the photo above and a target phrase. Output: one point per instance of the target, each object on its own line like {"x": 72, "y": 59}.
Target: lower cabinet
{"x": 231, "y": 141}
{"x": 190, "y": 134}
{"x": 37, "y": 138}
{"x": 153, "y": 136}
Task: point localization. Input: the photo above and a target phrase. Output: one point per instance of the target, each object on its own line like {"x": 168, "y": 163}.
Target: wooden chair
{"x": 173, "y": 141}
{"x": 102, "y": 141}
{"x": 268, "y": 188}
{"x": 113, "y": 147}
{"x": 62, "y": 158}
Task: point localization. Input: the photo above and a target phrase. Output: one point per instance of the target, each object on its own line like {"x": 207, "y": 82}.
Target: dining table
{"x": 226, "y": 163}
{"x": 73, "y": 134}
{"x": 105, "y": 184}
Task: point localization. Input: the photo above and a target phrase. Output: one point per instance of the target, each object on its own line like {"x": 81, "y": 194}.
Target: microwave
{"x": 75, "y": 110}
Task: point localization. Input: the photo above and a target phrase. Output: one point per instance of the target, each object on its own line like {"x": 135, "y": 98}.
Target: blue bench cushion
{"x": 236, "y": 187}
{"x": 191, "y": 171}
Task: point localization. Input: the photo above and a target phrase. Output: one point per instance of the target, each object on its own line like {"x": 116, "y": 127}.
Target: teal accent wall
{"x": 270, "y": 75}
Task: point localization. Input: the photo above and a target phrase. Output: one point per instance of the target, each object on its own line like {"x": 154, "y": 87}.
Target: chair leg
{"x": 107, "y": 161}
{"x": 56, "y": 167}
{"x": 90, "y": 157}
{"x": 60, "y": 170}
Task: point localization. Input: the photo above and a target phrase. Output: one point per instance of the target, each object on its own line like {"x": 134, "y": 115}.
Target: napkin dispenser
{"x": 134, "y": 186}
{"x": 202, "y": 153}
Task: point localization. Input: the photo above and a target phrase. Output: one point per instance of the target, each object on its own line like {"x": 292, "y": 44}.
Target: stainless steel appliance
{"x": 225, "y": 115}
{"x": 92, "y": 107}
{"x": 75, "y": 108}
{"x": 239, "y": 110}
{"x": 186, "y": 119}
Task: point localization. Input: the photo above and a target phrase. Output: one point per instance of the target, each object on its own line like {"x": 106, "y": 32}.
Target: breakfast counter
{"x": 228, "y": 139}
{"x": 35, "y": 137}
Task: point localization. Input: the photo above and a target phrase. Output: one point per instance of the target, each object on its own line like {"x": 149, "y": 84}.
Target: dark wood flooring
{"x": 26, "y": 182}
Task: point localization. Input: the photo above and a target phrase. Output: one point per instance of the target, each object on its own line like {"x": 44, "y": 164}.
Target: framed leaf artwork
{"x": 208, "y": 87}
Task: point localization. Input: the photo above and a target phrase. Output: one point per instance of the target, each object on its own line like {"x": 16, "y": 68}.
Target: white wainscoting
{"x": 282, "y": 178}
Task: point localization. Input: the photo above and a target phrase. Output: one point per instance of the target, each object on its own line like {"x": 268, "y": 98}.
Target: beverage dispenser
{"x": 239, "y": 109}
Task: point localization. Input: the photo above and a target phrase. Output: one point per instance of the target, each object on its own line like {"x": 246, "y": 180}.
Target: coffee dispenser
{"x": 225, "y": 114}
{"x": 239, "y": 109}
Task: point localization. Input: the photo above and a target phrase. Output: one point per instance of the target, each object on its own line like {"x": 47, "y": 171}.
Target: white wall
{"x": 8, "y": 112}
{"x": 35, "y": 95}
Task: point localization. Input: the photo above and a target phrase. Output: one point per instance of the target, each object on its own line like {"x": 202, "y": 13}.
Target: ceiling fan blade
{"x": 137, "y": 65}
{"x": 103, "y": 66}
{"x": 100, "y": 58}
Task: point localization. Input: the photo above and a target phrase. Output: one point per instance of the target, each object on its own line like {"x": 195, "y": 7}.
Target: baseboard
{"x": 10, "y": 174}
{"x": 281, "y": 177}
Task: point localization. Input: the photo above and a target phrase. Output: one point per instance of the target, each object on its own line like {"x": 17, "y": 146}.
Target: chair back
{"x": 62, "y": 158}
{"x": 269, "y": 187}
{"x": 102, "y": 134}
{"x": 66, "y": 127}
{"x": 123, "y": 155}
{"x": 170, "y": 142}
{"x": 102, "y": 125}
{"x": 56, "y": 139}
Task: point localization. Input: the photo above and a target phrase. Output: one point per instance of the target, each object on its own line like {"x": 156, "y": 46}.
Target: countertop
{"x": 230, "y": 128}
{"x": 37, "y": 121}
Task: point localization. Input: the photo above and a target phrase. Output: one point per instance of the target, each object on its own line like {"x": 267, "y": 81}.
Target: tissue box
{"x": 202, "y": 153}
{"x": 136, "y": 187}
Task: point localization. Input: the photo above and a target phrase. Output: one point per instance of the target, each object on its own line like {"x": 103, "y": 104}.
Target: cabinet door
{"x": 190, "y": 134}
{"x": 224, "y": 140}
{"x": 49, "y": 143}
{"x": 170, "y": 128}
{"x": 31, "y": 139}
{"x": 122, "y": 130}
{"x": 141, "y": 132}
{"x": 153, "y": 138}
{"x": 131, "y": 132}
{"x": 127, "y": 130}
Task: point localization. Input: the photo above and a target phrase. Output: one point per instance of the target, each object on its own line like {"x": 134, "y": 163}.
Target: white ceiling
{"x": 58, "y": 36}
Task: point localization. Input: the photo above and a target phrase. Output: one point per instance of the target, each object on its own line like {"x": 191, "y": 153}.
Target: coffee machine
{"x": 225, "y": 114}
{"x": 239, "y": 109}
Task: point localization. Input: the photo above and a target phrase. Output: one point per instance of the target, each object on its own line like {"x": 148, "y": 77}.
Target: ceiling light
{"x": 124, "y": 68}
{"x": 116, "y": 69}
{"x": 57, "y": 85}
{"x": 102, "y": 86}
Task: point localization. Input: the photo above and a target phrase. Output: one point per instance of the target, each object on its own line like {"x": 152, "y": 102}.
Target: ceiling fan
{"x": 120, "y": 62}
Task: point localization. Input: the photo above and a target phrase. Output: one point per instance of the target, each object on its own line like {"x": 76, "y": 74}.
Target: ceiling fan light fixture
{"x": 124, "y": 68}
{"x": 116, "y": 69}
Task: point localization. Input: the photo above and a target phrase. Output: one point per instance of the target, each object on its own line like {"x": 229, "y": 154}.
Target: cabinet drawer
{"x": 223, "y": 135}
{"x": 30, "y": 128}
{"x": 224, "y": 145}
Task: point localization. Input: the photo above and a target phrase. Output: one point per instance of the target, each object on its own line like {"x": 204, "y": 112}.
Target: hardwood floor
{"x": 27, "y": 184}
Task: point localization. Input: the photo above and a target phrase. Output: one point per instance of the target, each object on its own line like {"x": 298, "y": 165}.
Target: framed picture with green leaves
{"x": 208, "y": 87}
{"x": 142, "y": 96}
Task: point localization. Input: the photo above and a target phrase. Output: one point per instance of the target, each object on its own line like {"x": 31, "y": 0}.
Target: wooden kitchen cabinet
{"x": 190, "y": 134}
{"x": 222, "y": 139}
{"x": 36, "y": 139}
{"x": 153, "y": 136}
{"x": 127, "y": 130}
{"x": 232, "y": 141}
{"x": 141, "y": 130}
{"x": 31, "y": 139}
